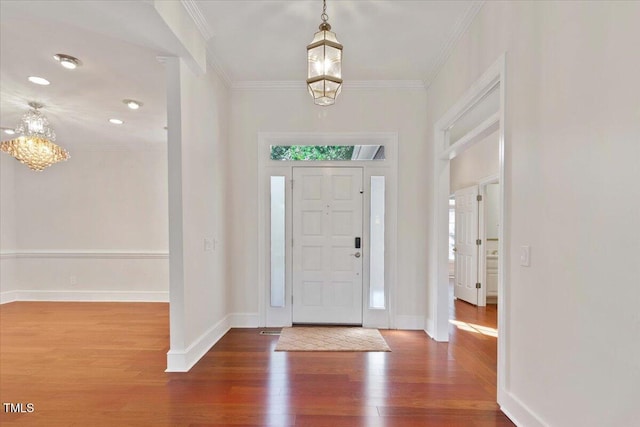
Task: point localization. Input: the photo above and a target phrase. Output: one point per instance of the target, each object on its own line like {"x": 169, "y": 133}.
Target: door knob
{"x": 357, "y": 255}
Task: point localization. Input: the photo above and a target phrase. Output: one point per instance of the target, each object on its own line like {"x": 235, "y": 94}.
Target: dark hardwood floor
{"x": 102, "y": 364}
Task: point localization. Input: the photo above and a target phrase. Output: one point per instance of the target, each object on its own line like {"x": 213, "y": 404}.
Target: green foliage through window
{"x": 311, "y": 152}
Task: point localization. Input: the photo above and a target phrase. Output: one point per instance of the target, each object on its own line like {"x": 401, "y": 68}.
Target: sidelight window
{"x": 277, "y": 241}
{"x": 376, "y": 257}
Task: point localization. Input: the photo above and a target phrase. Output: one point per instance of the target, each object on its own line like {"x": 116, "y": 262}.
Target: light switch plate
{"x": 525, "y": 256}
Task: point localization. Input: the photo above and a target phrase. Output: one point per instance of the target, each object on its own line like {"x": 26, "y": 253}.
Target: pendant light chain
{"x": 324, "y": 15}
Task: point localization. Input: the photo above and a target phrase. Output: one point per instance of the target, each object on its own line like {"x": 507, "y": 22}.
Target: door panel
{"x": 327, "y": 217}
{"x": 466, "y": 269}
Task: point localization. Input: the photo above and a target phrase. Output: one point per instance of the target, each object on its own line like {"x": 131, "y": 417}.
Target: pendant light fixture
{"x": 34, "y": 145}
{"x": 324, "y": 56}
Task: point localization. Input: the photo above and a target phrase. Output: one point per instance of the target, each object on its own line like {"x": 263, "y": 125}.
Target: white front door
{"x": 327, "y": 266}
{"x": 466, "y": 247}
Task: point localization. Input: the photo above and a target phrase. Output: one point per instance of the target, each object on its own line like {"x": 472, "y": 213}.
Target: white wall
{"x": 204, "y": 109}
{"x": 94, "y": 227}
{"x": 572, "y": 150}
{"x": 479, "y": 161}
{"x": 99, "y": 199}
{"x": 292, "y": 110}
{"x": 7, "y": 225}
{"x": 198, "y": 115}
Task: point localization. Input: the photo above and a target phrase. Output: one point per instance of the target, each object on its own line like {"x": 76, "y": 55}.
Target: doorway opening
{"x": 476, "y": 116}
{"x": 476, "y": 221}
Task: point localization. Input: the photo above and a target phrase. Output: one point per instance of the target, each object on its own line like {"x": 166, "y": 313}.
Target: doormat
{"x": 331, "y": 339}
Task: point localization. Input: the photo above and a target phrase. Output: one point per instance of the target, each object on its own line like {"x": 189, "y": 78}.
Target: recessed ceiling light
{"x": 134, "y": 105}
{"x": 116, "y": 121}
{"x": 8, "y": 131}
{"x": 38, "y": 80}
{"x": 67, "y": 61}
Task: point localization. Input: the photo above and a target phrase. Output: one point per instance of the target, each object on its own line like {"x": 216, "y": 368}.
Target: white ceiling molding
{"x": 117, "y": 147}
{"x": 198, "y": 18}
{"x": 215, "y": 63}
{"x": 349, "y": 85}
{"x": 269, "y": 85}
{"x": 191, "y": 45}
{"x": 384, "y": 84}
{"x": 207, "y": 32}
{"x": 459, "y": 29}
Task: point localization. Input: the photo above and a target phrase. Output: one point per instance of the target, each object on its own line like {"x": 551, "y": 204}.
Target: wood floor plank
{"x": 102, "y": 364}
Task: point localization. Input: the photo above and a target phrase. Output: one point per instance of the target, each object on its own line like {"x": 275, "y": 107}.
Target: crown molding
{"x": 116, "y": 146}
{"x": 207, "y": 33}
{"x": 459, "y": 29}
{"x": 215, "y": 63}
{"x": 384, "y": 84}
{"x": 349, "y": 85}
{"x": 198, "y": 18}
{"x": 269, "y": 85}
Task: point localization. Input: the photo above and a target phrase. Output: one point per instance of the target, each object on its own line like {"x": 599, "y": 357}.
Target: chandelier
{"x": 324, "y": 55}
{"x": 34, "y": 145}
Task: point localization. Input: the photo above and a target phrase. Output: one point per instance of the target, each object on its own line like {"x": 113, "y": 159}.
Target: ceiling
{"x": 247, "y": 42}
{"x": 383, "y": 40}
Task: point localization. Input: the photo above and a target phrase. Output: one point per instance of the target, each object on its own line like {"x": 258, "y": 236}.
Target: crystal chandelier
{"x": 34, "y": 145}
{"x": 324, "y": 56}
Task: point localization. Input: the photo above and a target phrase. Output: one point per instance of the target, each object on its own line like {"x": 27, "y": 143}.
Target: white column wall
{"x": 572, "y": 151}
{"x": 204, "y": 140}
{"x": 197, "y": 117}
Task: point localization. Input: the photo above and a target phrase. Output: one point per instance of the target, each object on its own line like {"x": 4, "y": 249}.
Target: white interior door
{"x": 466, "y": 269}
{"x": 327, "y": 267}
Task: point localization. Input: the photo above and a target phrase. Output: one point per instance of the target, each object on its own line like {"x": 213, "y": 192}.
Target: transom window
{"x": 327, "y": 152}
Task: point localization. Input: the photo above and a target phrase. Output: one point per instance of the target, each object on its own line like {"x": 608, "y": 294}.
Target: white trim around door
{"x": 382, "y": 316}
{"x": 444, "y": 151}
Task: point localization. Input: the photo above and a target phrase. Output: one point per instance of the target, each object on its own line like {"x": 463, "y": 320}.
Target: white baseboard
{"x": 8, "y": 296}
{"x": 244, "y": 320}
{"x": 518, "y": 412}
{"x": 183, "y": 361}
{"x": 84, "y": 296}
{"x": 409, "y": 322}
{"x": 428, "y": 328}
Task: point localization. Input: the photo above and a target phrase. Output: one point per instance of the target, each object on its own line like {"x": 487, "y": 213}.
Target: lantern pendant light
{"x": 324, "y": 55}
